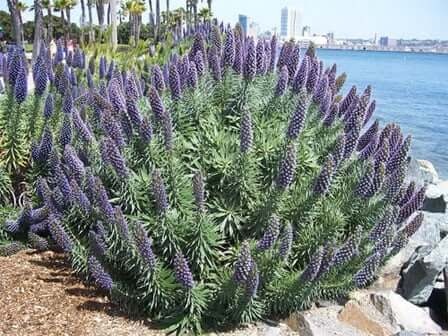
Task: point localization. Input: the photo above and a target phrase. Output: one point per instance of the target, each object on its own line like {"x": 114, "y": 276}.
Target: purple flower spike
{"x": 144, "y": 246}
{"x": 331, "y": 115}
{"x": 293, "y": 62}
{"x": 215, "y": 66}
{"x": 238, "y": 62}
{"x": 157, "y": 79}
{"x": 97, "y": 244}
{"x": 287, "y": 168}
{"x": 313, "y": 76}
{"x": 182, "y": 271}
{"x": 73, "y": 162}
{"x": 351, "y": 140}
{"x": 83, "y": 131}
{"x": 321, "y": 91}
{"x": 146, "y": 130}
{"x": 49, "y": 106}
{"x": 59, "y": 234}
{"x": 302, "y": 76}
{"x": 46, "y": 144}
{"x": 174, "y": 82}
{"x": 159, "y": 192}
{"x": 270, "y": 235}
{"x": 111, "y": 153}
{"x": 399, "y": 157}
{"x": 273, "y": 57}
{"x": 282, "y": 83}
{"x": 345, "y": 253}
{"x": 298, "y": 118}
{"x": 244, "y": 265}
{"x": 192, "y": 80}
{"x": 386, "y": 221}
{"x": 414, "y": 204}
{"x": 112, "y": 128}
{"x": 229, "y": 49}
{"x": 312, "y": 270}
{"x": 347, "y": 101}
{"x": 285, "y": 52}
{"x": 367, "y": 273}
{"x": 102, "y": 68}
{"x": 261, "y": 67}
{"x": 250, "y": 64}
{"x": 246, "y": 132}
{"x": 66, "y": 131}
{"x": 40, "y": 76}
{"x": 412, "y": 227}
{"x": 216, "y": 39}
{"x": 370, "y": 111}
{"x": 156, "y": 104}
{"x": 408, "y": 194}
{"x": 21, "y": 86}
{"x": 252, "y": 282}
{"x": 367, "y": 137}
{"x": 338, "y": 151}
{"x": 102, "y": 279}
{"x": 199, "y": 191}
{"x": 200, "y": 66}
{"x": 323, "y": 181}
{"x": 365, "y": 184}
{"x": 121, "y": 224}
{"x": 286, "y": 239}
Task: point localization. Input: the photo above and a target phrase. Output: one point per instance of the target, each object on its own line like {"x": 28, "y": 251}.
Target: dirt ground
{"x": 40, "y": 296}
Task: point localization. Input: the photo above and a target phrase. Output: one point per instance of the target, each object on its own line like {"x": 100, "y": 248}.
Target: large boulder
{"x": 321, "y": 322}
{"x": 436, "y": 197}
{"x": 422, "y": 172}
{"x": 420, "y": 273}
{"x": 403, "y": 314}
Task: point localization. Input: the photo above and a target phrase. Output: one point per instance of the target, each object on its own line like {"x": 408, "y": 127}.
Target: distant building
{"x": 388, "y": 42}
{"x": 249, "y": 27}
{"x": 330, "y": 38}
{"x": 290, "y": 23}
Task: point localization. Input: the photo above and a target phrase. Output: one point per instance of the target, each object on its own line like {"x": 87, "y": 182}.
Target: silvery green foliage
{"x": 304, "y": 198}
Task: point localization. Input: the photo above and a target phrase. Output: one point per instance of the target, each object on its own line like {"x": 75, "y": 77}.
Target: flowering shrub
{"x": 229, "y": 185}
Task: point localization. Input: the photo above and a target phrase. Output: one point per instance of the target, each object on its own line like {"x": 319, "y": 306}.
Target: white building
{"x": 290, "y": 23}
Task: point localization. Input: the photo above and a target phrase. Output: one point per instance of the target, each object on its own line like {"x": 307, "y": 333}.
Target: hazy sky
{"x": 346, "y": 18}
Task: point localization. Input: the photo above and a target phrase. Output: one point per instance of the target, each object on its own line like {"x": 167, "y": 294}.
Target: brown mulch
{"x": 40, "y": 296}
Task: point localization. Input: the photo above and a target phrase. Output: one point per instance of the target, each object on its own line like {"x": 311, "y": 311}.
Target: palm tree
{"x": 151, "y": 14}
{"x": 38, "y": 28}
{"x": 83, "y": 19}
{"x": 122, "y": 12}
{"x": 91, "y": 31}
{"x": 113, "y": 21}
{"x": 205, "y": 14}
{"x": 100, "y": 12}
{"x": 21, "y": 7}
{"x": 16, "y": 24}
{"x": 64, "y": 6}
{"x": 47, "y": 5}
{"x": 136, "y": 8}
{"x": 157, "y": 30}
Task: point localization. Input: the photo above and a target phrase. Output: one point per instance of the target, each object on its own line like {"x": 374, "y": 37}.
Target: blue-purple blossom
{"x": 111, "y": 153}
{"x": 182, "y": 271}
{"x": 229, "y": 49}
{"x": 144, "y": 246}
{"x": 261, "y": 66}
{"x": 301, "y": 77}
{"x": 40, "y": 76}
{"x": 368, "y": 135}
{"x": 282, "y": 82}
{"x": 348, "y": 99}
{"x": 273, "y": 48}
{"x": 49, "y": 106}
{"x": 250, "y": 62}
{"x": 174, "y": 82}
{"x": 46, "y": 144}
{"x": 298, "y": 118}
{"x": 287, "y": 167}
{"x": 21, "y": 85}
{"x": 313, "y": 76}
{"x": 159, "y": 192}
{"x": 156, "y": 104}
{"x": 59, "y": 235}
{"x": 286, "y": 239}
{"x": 323, "y": 181}
{"x": 65, "y": 136}
{"x": 243, "y": 265}
{"x": 270, "y": 235}
{"x": 331, "y": 115}
{"x": 367, "y": 273}
{"x": 73, "y": 162}
{"x": 102, "y": 279}
{"x": 413, "y": 205}
{"x": 246, "y": 132}
{"x": 313, "y": 268}
{"x": 157, "y": 80}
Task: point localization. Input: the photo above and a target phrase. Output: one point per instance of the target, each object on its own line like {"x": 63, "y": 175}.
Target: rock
{"x": 429, "y": 234}
{"x": 422, "y": 270}
{"x": 408, "y": 333}
{"x": 363, "y": 318}
{"x": 436, "y": 197}
{"x": 402, "y": 313}
{"x": 321, "y": 322}
{"x": 422, "y": 172}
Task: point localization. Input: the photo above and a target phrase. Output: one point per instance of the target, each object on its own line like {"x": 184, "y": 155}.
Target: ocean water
{"x": 411, "y": 89}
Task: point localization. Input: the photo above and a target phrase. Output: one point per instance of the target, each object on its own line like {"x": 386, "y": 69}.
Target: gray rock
{"x": 321, "y": 322}
{"x": 423, "y": 268}
{"x": 436, "y": 197}
{"x": 408, "y": 333}
{"x": 402, "y": 313}
{"x": 422, "y": 172}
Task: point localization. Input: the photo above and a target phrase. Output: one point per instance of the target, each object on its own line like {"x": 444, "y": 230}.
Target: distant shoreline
{"x": 386, "y": 51}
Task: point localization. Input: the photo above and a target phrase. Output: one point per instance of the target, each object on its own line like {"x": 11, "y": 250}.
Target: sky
{"x": 345, "y": 18}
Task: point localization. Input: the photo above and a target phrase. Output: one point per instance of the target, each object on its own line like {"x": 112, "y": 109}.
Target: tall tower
{"x": 290, "y": 23}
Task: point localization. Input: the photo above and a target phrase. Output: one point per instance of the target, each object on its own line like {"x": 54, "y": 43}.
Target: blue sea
{"x": 411, "y": 89}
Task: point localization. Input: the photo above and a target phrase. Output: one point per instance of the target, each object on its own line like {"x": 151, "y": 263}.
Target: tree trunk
{"x": 91, "y": 32}
{"x": 195, "y": 12}
{"x": 108, "y": 14}
{"x": 151, "y": 14}
{"x": 64, "y": 24}
{"x": 209, "y": 4}
{"x": 50, "y": 24}
{"x": 15, "y": 21}
{"x": 69, "y": 23}
{"x": 83, "y": 20}
{"x": 157, "y": 20}
{"x": 138, "y": 20}
{"x": 100, "y": 13}
{"x": 113, "y": 20}
{"x": 38, "y": 29}
{"x": 168, "y": 8}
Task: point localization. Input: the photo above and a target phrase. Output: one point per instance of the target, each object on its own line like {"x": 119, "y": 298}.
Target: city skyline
{"x": 345, "y": 18}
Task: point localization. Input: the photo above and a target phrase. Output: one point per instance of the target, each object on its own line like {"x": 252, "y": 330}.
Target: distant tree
{"x": 16, "y": 21}
{"x": 38, "y": 29}
{"x": 48, "y": 5}
{"x": 6, "y": 23}
{"x": 91, "y": 30}
{"x": 113, "y": 23}
{"x": 205, "y": 14}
